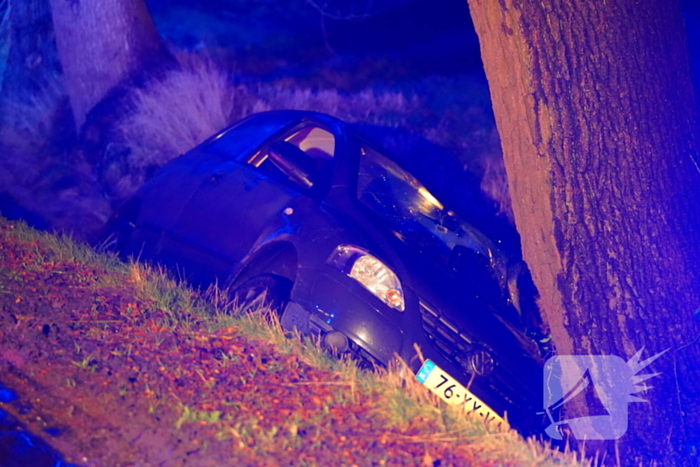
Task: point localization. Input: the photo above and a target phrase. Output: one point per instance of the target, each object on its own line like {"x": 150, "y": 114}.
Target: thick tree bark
{"x": 102, "y": 44}
{"x": 595, "y": 108}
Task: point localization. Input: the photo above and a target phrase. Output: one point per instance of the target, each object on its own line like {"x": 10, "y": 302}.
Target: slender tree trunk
{"x": 102, "y": 44}
{"x": 595, "y": 108}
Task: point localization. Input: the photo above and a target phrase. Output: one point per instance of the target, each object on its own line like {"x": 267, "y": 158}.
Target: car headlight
{"x": 374, "y": 275}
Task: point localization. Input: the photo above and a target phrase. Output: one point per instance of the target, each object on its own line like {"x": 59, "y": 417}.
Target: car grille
{"x": 445, "y": 335}
{"x": 457, "y": 346}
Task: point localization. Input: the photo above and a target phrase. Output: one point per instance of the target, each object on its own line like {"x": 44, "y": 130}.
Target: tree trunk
{"x": 595, "y": 108}
{"x": 101, "y": 45}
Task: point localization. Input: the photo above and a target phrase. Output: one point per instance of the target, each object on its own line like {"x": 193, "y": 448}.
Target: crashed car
{"x": 348, "y": 246}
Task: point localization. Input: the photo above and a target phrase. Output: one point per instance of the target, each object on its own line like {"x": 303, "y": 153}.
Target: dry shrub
{"x": 369, "y": 106}
{"x": 28, "y": 121}
{"x": 35, "y": 170}
{"x": 177, "y": 113}
{"x": 167, "y": 118}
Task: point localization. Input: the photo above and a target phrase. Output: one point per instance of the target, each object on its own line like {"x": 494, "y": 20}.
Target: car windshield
{"x": 414, "y": 215}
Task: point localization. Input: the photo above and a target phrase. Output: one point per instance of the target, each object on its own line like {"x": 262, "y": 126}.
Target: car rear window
{"x": 241, "y": 139}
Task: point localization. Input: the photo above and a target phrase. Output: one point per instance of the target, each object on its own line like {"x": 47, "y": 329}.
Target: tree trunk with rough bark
{"x": 595, "y": 108}
{"x": 102, "y": 44}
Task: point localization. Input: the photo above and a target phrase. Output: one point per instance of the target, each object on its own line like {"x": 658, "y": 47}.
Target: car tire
{"x": 265, "y": 289}
{"x": 115, "y": 235}
{"x": 114, "y": 238}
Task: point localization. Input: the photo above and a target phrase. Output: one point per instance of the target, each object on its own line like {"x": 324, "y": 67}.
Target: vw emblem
{"x": 481, "y": 362}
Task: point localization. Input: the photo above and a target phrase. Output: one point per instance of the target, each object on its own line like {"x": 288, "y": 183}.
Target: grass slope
{"x": 116, "y": 365}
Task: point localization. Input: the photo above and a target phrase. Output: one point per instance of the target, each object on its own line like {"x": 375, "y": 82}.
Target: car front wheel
{"x": 114, "y": 237}
{"x": 263, "y": 292}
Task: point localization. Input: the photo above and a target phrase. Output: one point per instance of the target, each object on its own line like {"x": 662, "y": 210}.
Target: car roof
{"x": 297, "y": 115}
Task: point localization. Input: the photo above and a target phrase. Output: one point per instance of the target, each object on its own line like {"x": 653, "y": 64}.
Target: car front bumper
{"x": 328, "y": 301}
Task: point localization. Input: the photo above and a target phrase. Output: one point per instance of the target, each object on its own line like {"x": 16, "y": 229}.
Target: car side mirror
{"x": 293, "y": 162}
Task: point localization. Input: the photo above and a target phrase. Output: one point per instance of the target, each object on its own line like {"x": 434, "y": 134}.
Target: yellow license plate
{"x": 452, "y": 392}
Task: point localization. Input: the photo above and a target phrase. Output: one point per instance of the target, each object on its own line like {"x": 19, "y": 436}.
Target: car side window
{"x": 316, "y": 142}
{"x": 299, "y": 157}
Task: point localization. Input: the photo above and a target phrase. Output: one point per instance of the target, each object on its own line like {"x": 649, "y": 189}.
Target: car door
{"x": 227, "y": 214}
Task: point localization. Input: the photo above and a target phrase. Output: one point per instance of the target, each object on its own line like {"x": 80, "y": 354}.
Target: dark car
{"x": 347, "y": 245}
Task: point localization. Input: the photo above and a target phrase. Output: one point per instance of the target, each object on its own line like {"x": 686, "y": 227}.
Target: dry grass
{"x": 369, "y": 106}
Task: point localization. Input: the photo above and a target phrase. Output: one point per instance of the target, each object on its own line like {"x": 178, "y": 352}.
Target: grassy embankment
{"x": 117, "y": 364}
